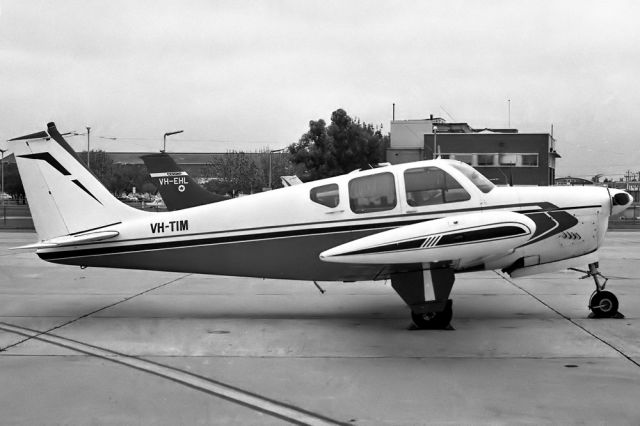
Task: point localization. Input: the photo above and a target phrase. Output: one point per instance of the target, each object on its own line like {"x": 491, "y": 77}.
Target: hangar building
{"x": 504, "y": 156}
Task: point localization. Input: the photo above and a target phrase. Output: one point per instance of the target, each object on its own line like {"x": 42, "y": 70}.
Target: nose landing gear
{"x": 603, "y": 303}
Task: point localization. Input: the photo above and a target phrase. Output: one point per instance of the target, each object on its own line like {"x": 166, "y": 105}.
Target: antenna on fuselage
{"x": 322, "y": 291}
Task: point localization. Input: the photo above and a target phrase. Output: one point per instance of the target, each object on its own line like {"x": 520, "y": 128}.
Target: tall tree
{"x": 239, "y": 171}
{"x": 12, "y": 182}
{"x": 233, "y": 172}
{"x": 345, "y": 145}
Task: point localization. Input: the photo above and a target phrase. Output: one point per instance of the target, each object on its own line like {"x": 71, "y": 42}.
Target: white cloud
{"x": 260, "y": 70}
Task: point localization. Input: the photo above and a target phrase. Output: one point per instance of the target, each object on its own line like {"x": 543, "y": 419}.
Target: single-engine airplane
{"x": 177, "y": 189}
{"x": 417, "y": 224}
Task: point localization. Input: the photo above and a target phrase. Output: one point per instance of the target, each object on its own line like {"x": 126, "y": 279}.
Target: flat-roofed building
{"x": 504, "y": 156}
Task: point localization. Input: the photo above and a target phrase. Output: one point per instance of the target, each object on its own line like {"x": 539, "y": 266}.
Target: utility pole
{"x": 628, "y": 175}
{"x": 4, "y": 207}
{"x": 509, "y": 106}
{"x": 88, "y": 151}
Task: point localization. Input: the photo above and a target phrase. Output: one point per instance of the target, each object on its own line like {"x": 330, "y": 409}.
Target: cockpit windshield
{"x": 474, "y": 176}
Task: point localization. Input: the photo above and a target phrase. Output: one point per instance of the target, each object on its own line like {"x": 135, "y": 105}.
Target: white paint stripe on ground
{"x": 280, "y": 410}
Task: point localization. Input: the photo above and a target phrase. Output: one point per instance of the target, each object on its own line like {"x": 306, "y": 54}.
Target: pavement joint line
{"x": 592, "y": 334}
{"x": 332, "y": 357}
{"x": 126, "y": 299}
{"x": 222, "y": 390}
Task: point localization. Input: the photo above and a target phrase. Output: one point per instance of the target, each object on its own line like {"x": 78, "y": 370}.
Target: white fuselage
{"x": 281, "y": 233}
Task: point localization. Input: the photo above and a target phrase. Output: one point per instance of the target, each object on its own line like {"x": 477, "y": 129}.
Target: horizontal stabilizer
{"x": 38, "y": 135}
{"x": 70, "y": 240}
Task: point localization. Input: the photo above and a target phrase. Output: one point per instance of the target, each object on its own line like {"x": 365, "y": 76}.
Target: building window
{"x": 508, "y": 159}
{"x": 327, "y": 195}
{"x": 372, "y": 193}
{"x": 529, "y": 160}
{"x": 485, "y": 159}
{"x": 430, "y": 185}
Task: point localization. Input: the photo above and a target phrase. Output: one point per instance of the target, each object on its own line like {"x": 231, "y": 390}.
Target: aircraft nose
{"x": 620, "y": 200}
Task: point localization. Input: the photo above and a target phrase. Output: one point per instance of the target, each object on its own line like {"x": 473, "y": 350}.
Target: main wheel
{"x": 434, "y": 320}
{"x": 603, "y": 304}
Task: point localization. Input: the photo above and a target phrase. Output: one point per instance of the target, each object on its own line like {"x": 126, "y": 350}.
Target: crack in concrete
{"x": 126, "y": 299}
{"x": 592, "y": 334}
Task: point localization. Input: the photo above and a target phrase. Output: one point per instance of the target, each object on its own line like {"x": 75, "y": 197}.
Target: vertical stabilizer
{"x": 64, "y": 196}
{"x": 178, "y": 190}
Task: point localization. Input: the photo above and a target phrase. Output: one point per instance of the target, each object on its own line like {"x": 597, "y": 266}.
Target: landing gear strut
{"x": 426, "y": 292}
{"x": 603, "y": 303}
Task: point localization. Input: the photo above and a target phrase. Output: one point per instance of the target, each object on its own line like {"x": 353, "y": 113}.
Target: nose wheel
{"x": 603, "y": 303}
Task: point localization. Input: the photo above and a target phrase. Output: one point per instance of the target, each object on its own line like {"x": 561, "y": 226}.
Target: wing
{"x": 466, "y": 237}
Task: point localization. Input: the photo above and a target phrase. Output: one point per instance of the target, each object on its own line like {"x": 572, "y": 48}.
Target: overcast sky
{"x": 251, "y": 74}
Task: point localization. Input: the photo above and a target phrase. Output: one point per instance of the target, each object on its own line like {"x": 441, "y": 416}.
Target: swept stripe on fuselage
{"x": 279, "y": 232}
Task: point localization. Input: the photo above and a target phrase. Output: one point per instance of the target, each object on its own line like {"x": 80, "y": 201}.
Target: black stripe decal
{"x": 173, "y": 244}
{"x": 203, "y": 241}
{"x": 400, "y": 246}
{"x": 478, "y": 235}
{"x": 457, "y": 238}
{"x": 96, "y": 228}
{"x": 81, "y": 186}
{"x": 45, "y": 156}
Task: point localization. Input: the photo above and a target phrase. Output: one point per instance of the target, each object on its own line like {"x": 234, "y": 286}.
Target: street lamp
{"x": 435, "y": 133}
{"x": 4, "y": 208}
{"x": 164, "y": 145}
{"x": 88, "y": 151}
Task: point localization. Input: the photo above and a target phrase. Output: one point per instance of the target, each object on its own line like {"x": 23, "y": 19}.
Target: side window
{"x": 372, "y": 193}
{"x": 430, "y": 185}
{"x": 327, "y": 195}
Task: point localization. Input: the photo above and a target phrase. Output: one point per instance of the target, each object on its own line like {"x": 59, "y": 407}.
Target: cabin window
{"x": 327, "y": 195}
{"x": 373, "y": 193}
{"x": 474, "y": 176}
{"x": 430, "y": 185}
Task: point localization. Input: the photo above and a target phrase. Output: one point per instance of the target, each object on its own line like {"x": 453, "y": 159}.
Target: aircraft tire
{"x": 434, "y": 320}
{"x": 604, "y": 304}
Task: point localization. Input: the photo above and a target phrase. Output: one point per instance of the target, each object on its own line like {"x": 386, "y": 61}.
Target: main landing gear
{"x": 603, "y": 303}
{"x": 427, "y": 295}
{"x": 434, "y": 320}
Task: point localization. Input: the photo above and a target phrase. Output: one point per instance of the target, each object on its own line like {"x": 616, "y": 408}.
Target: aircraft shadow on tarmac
{"x": 381, "y": 311}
